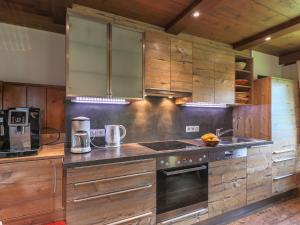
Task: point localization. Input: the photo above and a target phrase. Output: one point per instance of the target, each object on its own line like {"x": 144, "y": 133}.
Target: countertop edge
{"x": 156, "y": 154}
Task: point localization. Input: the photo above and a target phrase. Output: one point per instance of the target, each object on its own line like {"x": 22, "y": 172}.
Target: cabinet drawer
{"x": 111, "y": 207}
{"x": 108, "y": 185}
{"x": 97, "y": 172}
{"x": 283, "y": 166}
{"x": 284, "y": 183}
{"x": 144, "y": 219}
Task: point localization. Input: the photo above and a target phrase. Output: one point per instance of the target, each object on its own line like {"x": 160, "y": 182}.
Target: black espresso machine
{"x": 19, "y": 132}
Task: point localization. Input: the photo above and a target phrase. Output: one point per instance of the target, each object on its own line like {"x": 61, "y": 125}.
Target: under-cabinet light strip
{"x": 93, "y": 100}
{"x": 204, "y": 105}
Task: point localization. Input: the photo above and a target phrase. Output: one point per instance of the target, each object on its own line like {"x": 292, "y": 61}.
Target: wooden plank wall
{"x": 50, "y": 99}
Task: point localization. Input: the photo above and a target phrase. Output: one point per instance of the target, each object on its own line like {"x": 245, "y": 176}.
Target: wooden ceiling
{"x": 242, "y": 23}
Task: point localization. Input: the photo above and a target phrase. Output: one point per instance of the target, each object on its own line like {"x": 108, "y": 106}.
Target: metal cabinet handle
{"x": 54, "y": 177}
{"x": 158, "y": 89}
{"x": 185, "y": 170}
{"x": 130, "y": 219}
{"x": 283, "y": 151}
{"x": 111, "y": 179}
{"x": 284, "y": 176}
{"x": 282, "y": 160}
{"x": 125, "y": 162}
{"x": 260, "y": 146}
{"x": 201, "y": 211}
{"x": 111, "y": 194}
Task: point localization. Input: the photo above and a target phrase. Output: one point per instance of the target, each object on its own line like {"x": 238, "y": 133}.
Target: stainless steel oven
{"x": 182, "y": 185}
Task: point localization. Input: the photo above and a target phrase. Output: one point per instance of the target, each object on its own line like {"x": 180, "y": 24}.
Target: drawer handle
{"x": 283, "y": 151}
{"x": 113, "y": 178}
{"x": 284, "y": 176}
{"x": 260, "y": 146}
{"x": 282, "y": 160}
{"x": 201, "y": 211}
{"x": 130, "y": 219}
{"x": 111, "y": 194}
{"x": 125, "y": 162}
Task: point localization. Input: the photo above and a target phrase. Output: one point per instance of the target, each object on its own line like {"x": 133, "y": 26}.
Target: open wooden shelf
{"x": 246, "y": 73}
{"x": 243, "y": 71}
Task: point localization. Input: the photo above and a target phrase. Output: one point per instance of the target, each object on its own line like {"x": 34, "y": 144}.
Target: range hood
{"x": 166, "y": 93}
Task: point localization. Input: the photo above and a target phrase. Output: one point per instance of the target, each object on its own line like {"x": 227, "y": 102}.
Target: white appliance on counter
{"x": 113, "y": 136}
{"x": 80, "y": 136}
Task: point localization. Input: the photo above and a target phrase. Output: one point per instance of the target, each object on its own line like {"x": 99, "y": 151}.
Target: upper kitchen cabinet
{"x": 87, "y": 46}
{"x": 127, "y": 63}
{"x": 104, "y": 60}
{"x": 157, "y": 61}
{"x": 181, "y": 65}
{"x": 203, "y": 75}
{"x": 213, "y": 75}
{"x": 224, "y": 68}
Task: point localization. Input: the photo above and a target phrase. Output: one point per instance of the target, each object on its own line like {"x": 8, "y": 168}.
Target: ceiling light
{"x": 196, "y": 14}
{"x": 268, "y": 38}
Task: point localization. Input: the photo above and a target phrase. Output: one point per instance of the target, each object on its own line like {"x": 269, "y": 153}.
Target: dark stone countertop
{"x": 134, "y": 151}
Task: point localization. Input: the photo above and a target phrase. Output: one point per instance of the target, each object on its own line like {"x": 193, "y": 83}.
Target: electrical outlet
{"x": 97, "y": 132}
{"x": 192, "y": 129}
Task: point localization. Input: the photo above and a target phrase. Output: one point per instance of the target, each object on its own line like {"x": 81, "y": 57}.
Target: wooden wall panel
{"x": 56, "y": 108}
{"x": 36, "y": 97}
{"x": 14, "y": 96}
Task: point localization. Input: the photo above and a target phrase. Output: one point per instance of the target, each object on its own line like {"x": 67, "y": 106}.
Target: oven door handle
{"x": 175, "y": 172}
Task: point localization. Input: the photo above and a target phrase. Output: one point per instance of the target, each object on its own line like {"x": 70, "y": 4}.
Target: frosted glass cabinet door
{"x": 127, "y": 63}
{"x": 88, "y": 72}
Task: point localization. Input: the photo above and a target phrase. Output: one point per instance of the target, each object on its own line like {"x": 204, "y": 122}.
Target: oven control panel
{"x": 179, "y": 160}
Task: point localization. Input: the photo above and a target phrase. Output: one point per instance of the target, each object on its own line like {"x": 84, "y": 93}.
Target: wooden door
{"x": 181, "y": 65}
{"x": 56, "y": 108}
{"x": 36, "y": 97}
{"x": 157, "y": 61}
{"x": 14, "y": 95}
{"x": 226, "y": 186}
{"x": 224, "y": 68}
{"x": 259, "y": 173}
{"x": 203, "y": 74}
{"x": 26, "y": 189}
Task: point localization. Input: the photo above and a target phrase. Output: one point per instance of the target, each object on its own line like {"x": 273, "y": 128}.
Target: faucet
{"x": 219, "y": 133}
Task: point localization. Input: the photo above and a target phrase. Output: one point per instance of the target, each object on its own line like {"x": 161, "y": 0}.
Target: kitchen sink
{"x": 234, "y": 140}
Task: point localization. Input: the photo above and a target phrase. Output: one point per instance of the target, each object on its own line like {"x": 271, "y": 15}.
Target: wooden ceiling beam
{"x": 181, "y": 21}
{"x": 289, "y": 58}
{"x": 59, "y": 9}
{"x": 273, "y": 32}
{"x": 12, "y": 14}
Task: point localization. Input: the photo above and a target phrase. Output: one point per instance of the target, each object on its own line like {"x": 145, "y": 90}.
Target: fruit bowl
{"x": 210, "y": 139}
{"x": 211, "y": 143}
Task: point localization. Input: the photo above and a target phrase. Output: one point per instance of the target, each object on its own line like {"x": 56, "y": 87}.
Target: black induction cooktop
{"x": 167, "y": 145}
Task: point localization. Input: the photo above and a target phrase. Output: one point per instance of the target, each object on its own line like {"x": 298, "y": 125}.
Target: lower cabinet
{"x": 31, "y": 191}
{"x": 259, "y": 173}
{"x": 112, "y": 194}
{"x": 284, "y": 169}
{"x": 226, "y": 186}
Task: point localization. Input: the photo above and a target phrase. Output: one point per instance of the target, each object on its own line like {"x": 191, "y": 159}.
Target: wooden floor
{"x": 280, "y": 213}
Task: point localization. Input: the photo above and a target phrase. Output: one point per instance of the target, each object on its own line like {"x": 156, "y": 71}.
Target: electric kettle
{"x": 113, "y": 135}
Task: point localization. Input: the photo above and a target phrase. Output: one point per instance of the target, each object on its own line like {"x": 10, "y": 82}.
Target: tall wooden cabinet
{"x": 274, "y": 116}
